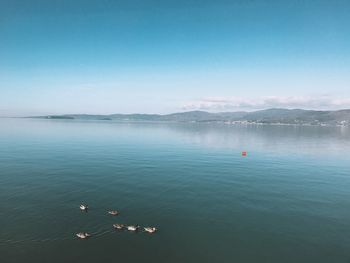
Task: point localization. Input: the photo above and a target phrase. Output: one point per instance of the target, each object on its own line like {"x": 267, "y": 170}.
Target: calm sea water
{"x": 287, "y": 201}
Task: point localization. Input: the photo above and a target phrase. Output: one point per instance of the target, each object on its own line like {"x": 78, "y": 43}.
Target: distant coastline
{"x": 268, "y": 116}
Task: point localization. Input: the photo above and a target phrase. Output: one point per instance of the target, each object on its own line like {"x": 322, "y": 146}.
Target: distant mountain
{"x": 269, "y": 116}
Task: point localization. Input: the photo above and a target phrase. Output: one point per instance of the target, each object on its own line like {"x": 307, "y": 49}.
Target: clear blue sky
{"x": 164, "y": 56}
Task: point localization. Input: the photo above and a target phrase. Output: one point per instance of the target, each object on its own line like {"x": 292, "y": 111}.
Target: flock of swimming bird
{"x": 132, "y": 228}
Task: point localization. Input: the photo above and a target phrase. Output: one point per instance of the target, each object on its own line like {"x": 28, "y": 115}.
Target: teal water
{"x": 287, "y": 201}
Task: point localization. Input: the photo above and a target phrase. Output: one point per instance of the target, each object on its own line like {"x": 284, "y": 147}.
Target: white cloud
{"x": 289, "y": 102}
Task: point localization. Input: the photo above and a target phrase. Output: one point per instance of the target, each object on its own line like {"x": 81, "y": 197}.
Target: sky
{"x": 148, "y": 56}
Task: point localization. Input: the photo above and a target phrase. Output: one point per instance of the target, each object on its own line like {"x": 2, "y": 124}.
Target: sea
{"x": 287, "y": 200}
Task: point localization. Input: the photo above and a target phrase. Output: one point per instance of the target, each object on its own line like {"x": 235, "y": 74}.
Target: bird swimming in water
{"x": 118, "y": 226}
{"x": 83, "y": 207}
{"x": 83, "y": 235}
{"x": 113, "y": 213}
{"x": 133, "y": 228}
{"x": 150, "y": 230}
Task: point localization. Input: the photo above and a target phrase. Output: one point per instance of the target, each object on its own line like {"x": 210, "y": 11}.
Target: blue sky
{"x": 165, "y": 56}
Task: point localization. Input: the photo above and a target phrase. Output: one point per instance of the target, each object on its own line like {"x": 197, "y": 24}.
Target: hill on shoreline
{"x": 268, "y": 116}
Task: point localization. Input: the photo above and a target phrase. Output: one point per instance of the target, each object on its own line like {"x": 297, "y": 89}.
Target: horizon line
{"x": 178, "y": 112}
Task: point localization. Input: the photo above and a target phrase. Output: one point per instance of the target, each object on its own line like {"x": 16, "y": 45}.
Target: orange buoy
{"x": 244, "y": 153}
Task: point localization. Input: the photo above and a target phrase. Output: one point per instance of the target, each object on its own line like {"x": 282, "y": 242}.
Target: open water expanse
{"x": 288, "y": 200}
